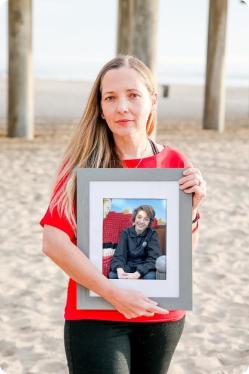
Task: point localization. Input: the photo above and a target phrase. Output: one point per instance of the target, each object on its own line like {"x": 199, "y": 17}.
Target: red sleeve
{"x": 58, "y": 221}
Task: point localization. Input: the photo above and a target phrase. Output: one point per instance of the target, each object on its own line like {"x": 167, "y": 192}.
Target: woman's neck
{"x": 131, "y": 147}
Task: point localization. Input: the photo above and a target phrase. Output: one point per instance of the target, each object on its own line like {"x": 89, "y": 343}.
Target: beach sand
{"x": 33, "y": 289}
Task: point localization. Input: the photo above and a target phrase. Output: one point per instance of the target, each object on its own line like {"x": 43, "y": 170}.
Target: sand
{"x": 33, "y": 289}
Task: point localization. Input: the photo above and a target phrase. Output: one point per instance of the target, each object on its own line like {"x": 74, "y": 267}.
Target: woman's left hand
{"x": 192, "y": 182}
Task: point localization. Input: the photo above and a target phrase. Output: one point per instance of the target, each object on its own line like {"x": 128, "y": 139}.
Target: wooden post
{"x": 144, "y": 31}
{"x": 137, "y": 29}
{"x": 214, "y": 105}
{"x": 124, "y": 27}
{"x": 20, "y": 101}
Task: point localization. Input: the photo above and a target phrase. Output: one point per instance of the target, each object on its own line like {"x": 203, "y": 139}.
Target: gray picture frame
{"x": 84, "y": 179}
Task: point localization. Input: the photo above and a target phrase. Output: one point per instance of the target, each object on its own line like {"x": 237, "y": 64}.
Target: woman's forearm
{"x": 75, "y": 263}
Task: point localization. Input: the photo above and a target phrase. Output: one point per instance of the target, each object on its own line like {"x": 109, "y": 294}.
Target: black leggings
{"x": 105, "y": 347}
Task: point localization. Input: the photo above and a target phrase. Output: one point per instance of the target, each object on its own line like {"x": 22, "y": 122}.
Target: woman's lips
{"x": 124, "y": 121}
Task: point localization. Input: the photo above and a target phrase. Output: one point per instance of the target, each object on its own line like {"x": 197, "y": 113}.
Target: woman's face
{"x": 126, "y": 102}
{"x": 142, "y": 221}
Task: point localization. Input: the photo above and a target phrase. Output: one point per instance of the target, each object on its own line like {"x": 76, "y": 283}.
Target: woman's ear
{"x": 154, "y": 101}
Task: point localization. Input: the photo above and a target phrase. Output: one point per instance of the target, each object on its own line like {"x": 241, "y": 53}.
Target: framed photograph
{"x": 135, "y": 225}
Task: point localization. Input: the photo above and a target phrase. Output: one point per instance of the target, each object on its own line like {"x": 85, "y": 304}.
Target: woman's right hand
{"x": 134, "y": 304}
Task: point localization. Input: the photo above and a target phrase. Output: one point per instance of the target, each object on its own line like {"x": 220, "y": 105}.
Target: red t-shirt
{"x": 167, "y": 158}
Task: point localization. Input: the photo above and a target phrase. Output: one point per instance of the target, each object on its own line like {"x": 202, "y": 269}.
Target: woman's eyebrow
{"x": 132, "y": 89}
{"x": 108, "y": 92}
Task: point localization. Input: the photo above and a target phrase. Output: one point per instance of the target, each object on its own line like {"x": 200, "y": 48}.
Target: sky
{"x": 72, "y": 39}
{"x": 159, "y": 205}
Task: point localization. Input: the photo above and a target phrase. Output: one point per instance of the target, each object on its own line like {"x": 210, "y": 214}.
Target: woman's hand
{"x": 135, "y": 275}
{"x": 122, "y": 274}
{"x": 192, "y": 182}
{"x": 134, "y": 304}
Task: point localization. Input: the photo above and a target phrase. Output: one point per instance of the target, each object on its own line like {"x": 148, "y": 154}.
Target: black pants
{"x": 105, "y": 347}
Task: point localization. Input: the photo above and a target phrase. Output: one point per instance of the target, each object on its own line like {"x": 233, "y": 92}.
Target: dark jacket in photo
{"x": 137, "y": 252}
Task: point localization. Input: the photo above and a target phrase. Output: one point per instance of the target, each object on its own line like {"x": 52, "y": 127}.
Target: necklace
{"x": 141, "y": 159}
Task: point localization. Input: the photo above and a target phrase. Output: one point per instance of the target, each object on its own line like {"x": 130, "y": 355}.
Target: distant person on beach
{"x": 138, "y": 248}
{"x": 138, "y": 336}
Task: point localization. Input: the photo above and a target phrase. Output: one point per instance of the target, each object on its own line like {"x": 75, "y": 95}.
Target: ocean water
{"x": 72, "y": 39}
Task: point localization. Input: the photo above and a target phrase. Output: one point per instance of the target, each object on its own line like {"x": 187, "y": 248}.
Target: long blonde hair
{"x": 92, "y": 144}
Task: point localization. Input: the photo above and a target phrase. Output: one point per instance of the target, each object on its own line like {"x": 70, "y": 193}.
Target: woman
{"x": 138, "y": 248}
{"x": 114, "y": 132}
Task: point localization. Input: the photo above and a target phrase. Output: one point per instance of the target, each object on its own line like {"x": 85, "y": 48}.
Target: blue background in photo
{"x": 159, "y": 205}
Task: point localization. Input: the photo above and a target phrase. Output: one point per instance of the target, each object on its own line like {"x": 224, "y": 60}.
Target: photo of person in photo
{"x": 138, "y": 248}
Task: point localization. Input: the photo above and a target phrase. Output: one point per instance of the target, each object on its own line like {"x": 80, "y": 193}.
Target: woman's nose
{"x": 122, "y": 106}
